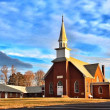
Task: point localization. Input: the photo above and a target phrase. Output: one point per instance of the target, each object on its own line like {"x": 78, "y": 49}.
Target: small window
{"x": 35, "y": 95}
{"x": 16, "y": 94}
{"x": 76, "y": 87}
{"x": 100, "y": 91}
{"x": 60, "y": 44}
{"x": 10, "y": 94}
{"x": 97, "y": 79}
{"x": 59, "y": 83}
{"x": 51, "y": 88}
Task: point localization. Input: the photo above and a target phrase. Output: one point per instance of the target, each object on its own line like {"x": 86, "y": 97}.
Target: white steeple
{"x": 63, "y": 51}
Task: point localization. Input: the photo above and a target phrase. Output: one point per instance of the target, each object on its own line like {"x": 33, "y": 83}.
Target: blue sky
{"x": 29, "y": 30}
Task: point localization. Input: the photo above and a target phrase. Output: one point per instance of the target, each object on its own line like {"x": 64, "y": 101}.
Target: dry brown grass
{"x": 32, "y": 102}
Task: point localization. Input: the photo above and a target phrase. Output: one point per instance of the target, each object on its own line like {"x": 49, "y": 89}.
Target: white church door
{"x": 6, "y": 95}
{"x": 59, "y": 88}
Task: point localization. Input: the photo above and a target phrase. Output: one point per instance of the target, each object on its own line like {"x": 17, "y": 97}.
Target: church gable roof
{"x": 91, "y": 68}
{"x": 80, "y": 66}
{"x": 88, "y": 70}
{"x": 77, "y": 63}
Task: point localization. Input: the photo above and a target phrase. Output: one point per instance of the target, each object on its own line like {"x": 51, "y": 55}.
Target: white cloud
{"x": 33, "y": 53}
{"x": 15, "y": 54}
{"x": 89, "y": 6}
{"x": 39, "y": 65}
{"x": 100, "y": 60}
{"x": 105, "y": 7}
{"x": 104, "y": 26}
{"x": 103, "y": 42}
{"x": 8, "y": 7}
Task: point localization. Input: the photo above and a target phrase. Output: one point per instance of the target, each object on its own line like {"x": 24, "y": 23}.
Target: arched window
{"x": 97, "y": 79}
{"x": 76, "y": 87}
{"x": 87, "y": 86}
{"x": 59, "y": 83}
{"x": 51, "y": 88}
{"x": 100, "y": 90}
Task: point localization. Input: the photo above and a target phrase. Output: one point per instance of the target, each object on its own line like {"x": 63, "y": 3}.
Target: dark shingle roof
{"x": 36, "y": 89}
{"x": 91, "y": 68}
{"x": 20, "y": 89}
{"x": 5, "y": 88}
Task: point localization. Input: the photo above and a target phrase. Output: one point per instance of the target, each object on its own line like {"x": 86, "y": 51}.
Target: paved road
{"x": 92, "y": 106}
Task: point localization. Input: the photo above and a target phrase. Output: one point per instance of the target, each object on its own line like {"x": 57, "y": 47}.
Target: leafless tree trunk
{"x": 4, "y": 70}
{"x": 39, "y": 77}
{"x": 29, "y": 76}
{"x": 13, "y": 69}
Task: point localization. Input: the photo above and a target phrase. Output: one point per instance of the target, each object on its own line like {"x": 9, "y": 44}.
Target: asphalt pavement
{"x": 91, "y": 106}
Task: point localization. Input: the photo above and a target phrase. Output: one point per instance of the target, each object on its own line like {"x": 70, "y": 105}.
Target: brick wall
{"x": 99, "y": 74}
{"x": 10, "y": 95}
{"x": 59, "y": 69}
{"x": 104, "y": 95}
{"x": 70, "y": 74}
{"x": 48, "y": 79}
{"x": 76, "y": 75}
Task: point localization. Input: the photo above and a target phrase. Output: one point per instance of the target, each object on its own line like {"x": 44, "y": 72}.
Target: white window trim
{"x": 74, "y": 87}
{"x": 99, "y": 90}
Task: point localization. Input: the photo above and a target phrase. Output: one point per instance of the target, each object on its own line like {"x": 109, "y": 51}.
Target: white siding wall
{"x": 63, "y": 53}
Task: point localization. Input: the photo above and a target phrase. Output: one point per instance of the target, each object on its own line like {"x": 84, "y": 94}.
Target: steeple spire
{"x": 62, "y": 18}
{"x": 62, "y": 38}
{"x": 63, "y": 50}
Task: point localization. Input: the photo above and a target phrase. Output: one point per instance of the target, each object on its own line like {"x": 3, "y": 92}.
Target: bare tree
{"x": 29, "y": 76}
{"x": 4, "y": 70}
{"x": 13, "y": 69}
{"x": 1, "y": 78}
{"x": 39, "y": 77}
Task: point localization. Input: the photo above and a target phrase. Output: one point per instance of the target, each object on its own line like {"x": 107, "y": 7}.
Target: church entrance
{"x": 59, "y": 88}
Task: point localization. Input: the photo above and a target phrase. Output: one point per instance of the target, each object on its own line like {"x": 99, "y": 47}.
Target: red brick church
{"x": 71, "y": 77}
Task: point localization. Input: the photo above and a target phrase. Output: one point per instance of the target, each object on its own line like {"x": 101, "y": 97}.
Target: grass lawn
{"x": 32, "y": 102}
